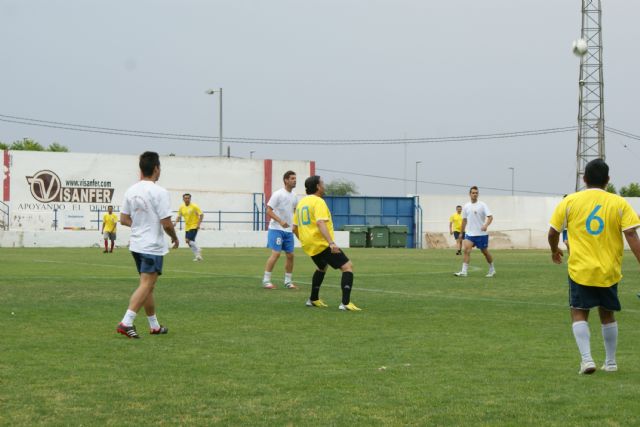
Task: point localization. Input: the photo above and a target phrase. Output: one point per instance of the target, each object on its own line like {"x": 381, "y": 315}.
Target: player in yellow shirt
{"x": 595, "y": 220}
{"x": 455, "y": 227}
{"x": 109, "y": 223}
{"x": 193, "y": 216}
{"x": 312, "y": 225}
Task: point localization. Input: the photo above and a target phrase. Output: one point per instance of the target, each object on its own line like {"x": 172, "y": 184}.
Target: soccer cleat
{"x": 268, "y": 285}
{"x": 587, "y": 368}
{"x": 198, "y": 258}
{"x": 290, "y": 285}
{"x": 458, "y": 253}
{"x": 317, "y": 303}
{"x": 349, "y": 307}
{"x": 128, "y": 331}
{"x": 460, "y": 274}
{"x": 491, "y": 273}
{"x": 609, "y": 367}
{"x": 159, "y": 331}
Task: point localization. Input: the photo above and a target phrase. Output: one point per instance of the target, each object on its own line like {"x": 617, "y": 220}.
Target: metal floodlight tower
{"x": 591, "y": 97}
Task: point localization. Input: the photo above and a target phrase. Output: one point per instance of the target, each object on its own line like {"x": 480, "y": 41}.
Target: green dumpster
{"x": 398, "y": 236}
{"x": 358, "y": 235}
{"x": 379, "y": 236}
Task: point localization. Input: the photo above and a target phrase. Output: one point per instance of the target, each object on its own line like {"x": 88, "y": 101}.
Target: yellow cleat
{"x": 349, "y": 307}
{"x": 317, "y": 303}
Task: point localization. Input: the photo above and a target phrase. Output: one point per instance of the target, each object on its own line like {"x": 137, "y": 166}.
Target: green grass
{"x": 457, "y": 351}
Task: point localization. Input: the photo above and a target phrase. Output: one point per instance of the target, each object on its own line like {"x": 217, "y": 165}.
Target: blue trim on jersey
{"x": 279, "y": 240}
{"x": 480, "y": 242}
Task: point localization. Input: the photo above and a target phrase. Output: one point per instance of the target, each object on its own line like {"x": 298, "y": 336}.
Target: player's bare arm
{"x": 272, "y": 214}
{"x": 125, "y": 219}
{"x": 462, "y": 228}
{"x": 487, "y": 223}
{"x": 200, "y": 218}
{"x": 295, "y": 231}
{"x": 167, "y": 225}
{"x": 556, "y": 253}
{"x": 634, "y": 242}
{"x": 322, "y": 226}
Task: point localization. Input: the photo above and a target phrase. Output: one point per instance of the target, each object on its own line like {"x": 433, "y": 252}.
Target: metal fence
{"x": 4, "y": 216}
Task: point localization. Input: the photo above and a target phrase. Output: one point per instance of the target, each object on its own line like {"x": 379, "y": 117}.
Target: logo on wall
{"x": 47, "y": 187}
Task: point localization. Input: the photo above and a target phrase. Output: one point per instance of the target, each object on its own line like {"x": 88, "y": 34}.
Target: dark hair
{"x": 185, "y": 195}
{"x": 110, "y": 206}
{"x": 311, "y": 184}
{"x": 473, "y": 188}
{"x": 458, "y": 206}
{"x": 596, "y": 173}
{"x": 148, "y": 162}
{"x": 287, "y": 174}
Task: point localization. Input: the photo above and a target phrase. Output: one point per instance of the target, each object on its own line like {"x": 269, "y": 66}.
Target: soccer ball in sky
{"x": 579, "y": 47}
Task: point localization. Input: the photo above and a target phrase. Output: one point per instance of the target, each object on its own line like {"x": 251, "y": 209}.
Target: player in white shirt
{"x": 280, "y": 208}
{"x": 476, "y": 218}
{"x": 147, "y": 210}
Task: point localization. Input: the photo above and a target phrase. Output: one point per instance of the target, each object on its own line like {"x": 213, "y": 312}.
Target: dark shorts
{"x": 326, "y": 257}
{"x": 191, "y": 234}
{"x": 587, "y": 297}
{"x": 146, "y": 263}
{"x": 456, "y": 235}
{"x": 480, "y": 242}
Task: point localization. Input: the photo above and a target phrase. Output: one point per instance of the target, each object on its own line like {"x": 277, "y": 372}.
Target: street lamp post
{"x": 416, "y": 189}
{"x": 513, "y": 173}
{"x": 251, "y": 154}
{"x": 211, "y": 92}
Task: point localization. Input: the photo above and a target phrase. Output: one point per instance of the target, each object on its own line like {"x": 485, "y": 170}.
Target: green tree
{"x": 26, "y": 145}
{"x": 3, "y": 146}
{"x": 633, "y": 190}
{"x": 57, "y": 148}
{"x": 611, "y": 188}
{"x": 340, "y": 187}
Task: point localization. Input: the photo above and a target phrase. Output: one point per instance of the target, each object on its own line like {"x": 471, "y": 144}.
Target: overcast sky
{"x": 330, "y": 69}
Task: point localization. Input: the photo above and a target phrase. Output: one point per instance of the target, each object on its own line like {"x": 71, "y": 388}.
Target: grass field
{"x": 455, "y": 351}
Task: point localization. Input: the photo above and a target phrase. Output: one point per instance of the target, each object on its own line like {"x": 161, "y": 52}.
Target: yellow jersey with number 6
{"x": 595, "y": 220}
{"x": 309, "y": 211}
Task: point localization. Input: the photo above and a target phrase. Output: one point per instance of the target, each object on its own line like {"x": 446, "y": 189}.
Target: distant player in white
{"x": 147, "y": 210}
{"x": 476, "y": 218}
{"x": 280, "y": 209}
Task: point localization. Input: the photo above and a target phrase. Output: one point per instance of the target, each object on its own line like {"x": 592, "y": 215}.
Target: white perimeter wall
{"x": 522, "y": 220}
{"x": 216, "y": 184}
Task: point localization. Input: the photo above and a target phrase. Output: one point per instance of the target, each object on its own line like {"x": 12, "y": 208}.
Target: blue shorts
{"x": 456, "y": 234}
{"x": 480, "y": 242}
{"x": 191, "y": 234}
{"x": 279, "y": 240}
{"x": 588, "y": 297}
{"x": 146, "y": 263}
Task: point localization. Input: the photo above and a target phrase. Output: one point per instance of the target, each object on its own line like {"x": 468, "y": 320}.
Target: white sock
{"x": 287, "y": 278}
{"x": 194, "y": 247}
{"x": 491, "y": 268}
{"x": 153, "y": 322}
{"x": 267, "y": 277}
{"x": 582, "y": 335}
{"x": 610, "y": 336}
{"x": 465, "y": 267}
{"x": 128, "y": 318}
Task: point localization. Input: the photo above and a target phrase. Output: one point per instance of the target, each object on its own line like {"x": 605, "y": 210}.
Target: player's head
{"x": 186, "y": 198}
{"x": 473, "y": 193}
{"x": 110, "y": 209}
{"x": 289, "y": 179}
{"x": 314, "y": 185}
{"x": 596, "y": 174}
{"x": 458, "y": 208}
{"x": 150, "y": 164}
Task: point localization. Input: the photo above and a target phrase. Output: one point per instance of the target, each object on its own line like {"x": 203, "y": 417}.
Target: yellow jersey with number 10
{"x": 309, "y": 211}
{"x": 595, "y": 220}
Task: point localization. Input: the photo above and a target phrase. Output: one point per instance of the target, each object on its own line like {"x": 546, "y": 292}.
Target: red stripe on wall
{"x": 7, "y": 178}
{"x": 268, "y": 183}
{"x": 312, "y": 168}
